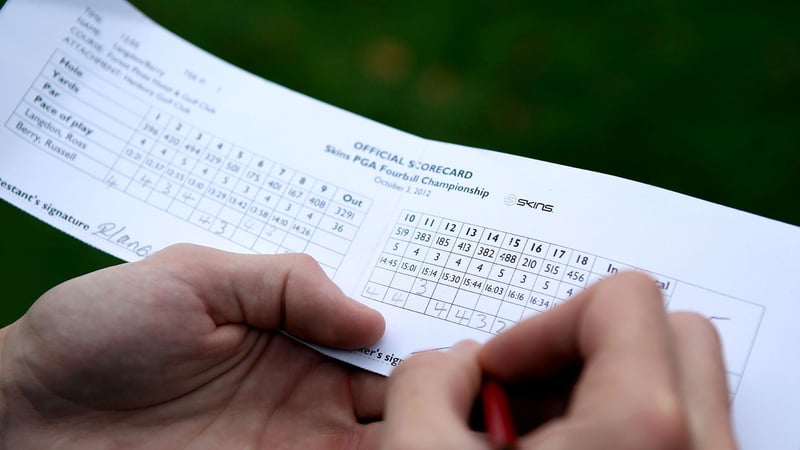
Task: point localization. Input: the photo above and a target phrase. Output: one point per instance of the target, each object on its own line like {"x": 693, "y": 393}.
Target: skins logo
{"x": 513, "y": 200}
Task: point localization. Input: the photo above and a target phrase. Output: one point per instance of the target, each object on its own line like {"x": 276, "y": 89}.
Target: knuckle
{"x": 181, "y": 254}
{"x": 633, "y": 293}
{"x": 180, "y": 249}
{"x": 636, "y": 288}
{"x": 697, "y": 332}
{"x": 303, "y": 260}
{"x": 696, "y": 325}
{"x": 638, "y": 281}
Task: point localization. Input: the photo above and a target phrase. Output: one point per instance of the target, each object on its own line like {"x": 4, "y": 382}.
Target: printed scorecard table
{"x": 488, "y": 280}
{"x": 88, "y": 122}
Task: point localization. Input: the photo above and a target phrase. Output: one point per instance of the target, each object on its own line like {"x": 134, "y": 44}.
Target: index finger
{"x": 617, "y": 330}
{"x": 429, "y": 400}
{"x": 622, "y": 314}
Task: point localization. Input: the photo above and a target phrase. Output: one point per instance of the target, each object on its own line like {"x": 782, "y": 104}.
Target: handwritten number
{"x": 222, "y": 227}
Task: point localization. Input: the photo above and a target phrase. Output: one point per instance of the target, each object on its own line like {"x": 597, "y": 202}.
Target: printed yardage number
{"x": 476, "y": 276}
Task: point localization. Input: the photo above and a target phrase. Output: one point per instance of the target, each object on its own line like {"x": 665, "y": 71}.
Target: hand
{"x": 609, "y": 369}
{"x": 181, "y": 350}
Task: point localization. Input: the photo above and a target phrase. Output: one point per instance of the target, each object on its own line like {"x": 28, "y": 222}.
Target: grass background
{"x": 700, "y": 97}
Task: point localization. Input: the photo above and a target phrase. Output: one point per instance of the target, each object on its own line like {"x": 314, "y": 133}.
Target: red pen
{"x": 497, "y": 416}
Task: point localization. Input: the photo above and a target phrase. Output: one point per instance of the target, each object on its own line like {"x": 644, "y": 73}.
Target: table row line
{"x": 447, "y": 284}
{"x": 434, "y": 265}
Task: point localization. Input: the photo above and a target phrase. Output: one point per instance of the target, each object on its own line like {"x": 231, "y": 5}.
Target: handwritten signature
{"x": 117, "y": 235}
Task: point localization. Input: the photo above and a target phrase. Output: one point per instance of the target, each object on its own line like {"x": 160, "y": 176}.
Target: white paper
{"x": 130, "y": 139}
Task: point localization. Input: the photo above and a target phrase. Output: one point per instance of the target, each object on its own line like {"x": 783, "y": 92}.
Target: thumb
{"x": 289, "y": 292}
{"x": 429, "y": 400}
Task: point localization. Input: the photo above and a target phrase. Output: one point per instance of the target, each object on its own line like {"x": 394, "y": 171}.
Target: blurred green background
{"x": 699, "y": 97}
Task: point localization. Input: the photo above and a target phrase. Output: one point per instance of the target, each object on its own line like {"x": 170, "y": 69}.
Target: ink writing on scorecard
{"x": 89, "y": 121}
{"x": 488, "y": 280}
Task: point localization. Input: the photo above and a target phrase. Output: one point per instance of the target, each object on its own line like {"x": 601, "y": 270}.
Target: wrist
{"x": 26, "y": 407}
{"x": 4, "y": 419}
{"x": 14, "y": 413}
